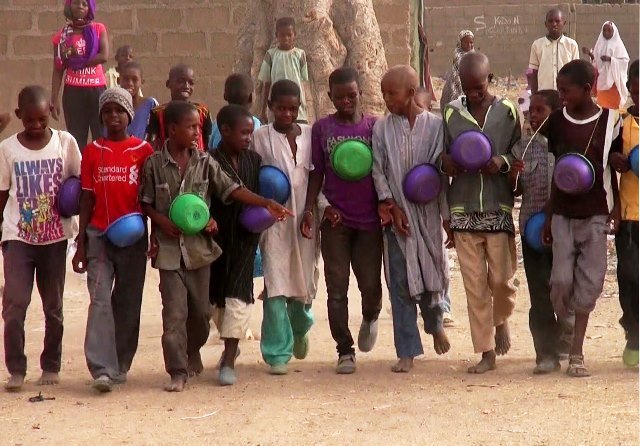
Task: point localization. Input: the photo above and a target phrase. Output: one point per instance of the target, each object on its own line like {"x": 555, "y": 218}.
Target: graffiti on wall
{"x": 498, "y": 25}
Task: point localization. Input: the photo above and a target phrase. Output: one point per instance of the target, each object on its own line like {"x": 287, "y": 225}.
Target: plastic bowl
{"x": 633, "y": 160}
{"x": 68, "y": 200}
{"x": 352, "y": 160}
{"x": 190, "y": 213}
{"x": 574, "y": 174}
{"x": 126, "y": 230}
{"x": 471, "y": 150}
{"x": 533, "y": 232}
{"x": 422, "y": 184}
{"x": 274, "y": 184}
{"x": 256, "y": 219}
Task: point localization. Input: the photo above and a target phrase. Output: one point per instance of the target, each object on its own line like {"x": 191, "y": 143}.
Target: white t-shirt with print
{"x": 33, "y": 178}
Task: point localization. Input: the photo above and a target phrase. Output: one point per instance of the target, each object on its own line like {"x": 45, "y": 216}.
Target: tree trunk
{"x": 333, "y": 33}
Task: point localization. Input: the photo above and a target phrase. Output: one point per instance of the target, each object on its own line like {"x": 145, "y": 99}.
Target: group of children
{"x": 354, "y": 224}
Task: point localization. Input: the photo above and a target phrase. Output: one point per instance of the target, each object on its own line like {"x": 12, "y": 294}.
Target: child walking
{"x": 124, "y": 55}
{"x": 231, "y": 287}
{"x": 184, "y": 260}
{"x": 550, "y": 53}
{"x": 289, "y": 259}
{"x": 531, "y": 178}
{"x": 285, "y": 61}
{"x": 627, "y": 236}
{"x": 481, "y": 204}
{"x": 180, "y": 84}
{"x": 79, "y": 49}
{"x": 578, "y": 225}
{"x": 131, "y": 79}
{"x": 351, "y": 232}
{"x": 111, "y": 168}
{"x": 33, "y": 165}
{"x": 414, "y": 251}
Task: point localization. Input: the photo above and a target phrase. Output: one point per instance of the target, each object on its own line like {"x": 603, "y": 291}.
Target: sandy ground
{"x": 438, "y": 401}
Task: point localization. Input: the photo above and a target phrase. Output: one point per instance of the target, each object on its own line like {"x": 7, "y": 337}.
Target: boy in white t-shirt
{"x": 33, "y": 165}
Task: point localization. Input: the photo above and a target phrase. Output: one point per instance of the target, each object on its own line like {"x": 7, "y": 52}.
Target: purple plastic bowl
{"x": 574, "y": 174}
{"x": 68, "y": 200}
{"x": 256, "y": 219}
{"x": 422, "y": 184}
{"x": 471, "y": 150}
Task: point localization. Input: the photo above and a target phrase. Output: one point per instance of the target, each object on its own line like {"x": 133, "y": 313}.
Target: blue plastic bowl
{"x": 533, "y": 232}
{"x": 274, "y": 184}
{"x": 126, "y": 230}
{"x": 633, "y": 160}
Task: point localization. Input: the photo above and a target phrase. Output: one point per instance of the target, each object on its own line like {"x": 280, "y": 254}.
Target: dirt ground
{"x": 438, "y": 402}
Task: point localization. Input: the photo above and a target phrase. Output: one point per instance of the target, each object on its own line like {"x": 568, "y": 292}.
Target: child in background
{"x": 452, "y": 89}
{"x": 415, "y": 266}
{"x": 124, "y": 55}
{"x": 481, "y": 204}
{"x": 131, "y": 79}
{"x": 627, "y": 236}
{"x": 115, "y": 276}
{"x": 550, "y": 53}
{"x": 238, "y": 90}
{"x": 80, "y": 49}
{"x": 289, "y": 259}
{"x": 284, "y": 62}
{"x": 578, "y": 224}
{"x": 351, "y": 232}
{"x": 231, "y": 286}
{"x": 184, "y": 260}
{"x": 531, "y": 178}
{"x": 611, "y": 60}
{"x": 180, "y": 84}
{"x": 34, "y": 235}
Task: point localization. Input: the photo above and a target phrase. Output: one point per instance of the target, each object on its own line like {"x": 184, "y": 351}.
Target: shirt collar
{"x": 548, "y": 41}
{"x": 168, "y": 159}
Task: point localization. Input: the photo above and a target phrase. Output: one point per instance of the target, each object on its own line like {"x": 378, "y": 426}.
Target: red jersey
{"x": 112, "y": 171}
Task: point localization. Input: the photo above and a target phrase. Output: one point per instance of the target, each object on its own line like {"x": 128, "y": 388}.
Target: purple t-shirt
{"x": 357, "y": 201}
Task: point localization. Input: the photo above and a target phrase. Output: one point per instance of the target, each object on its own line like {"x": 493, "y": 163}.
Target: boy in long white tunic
{"x": 414, "y": 256}
{"x": 289, "y": 259}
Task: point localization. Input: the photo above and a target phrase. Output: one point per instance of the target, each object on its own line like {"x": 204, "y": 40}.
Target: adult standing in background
{"x": 611, "y": 59}
{"x": 452, "y": 89}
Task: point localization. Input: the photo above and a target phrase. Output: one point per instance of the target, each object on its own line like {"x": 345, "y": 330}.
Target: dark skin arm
{"x": 313, "y": 189}
{"x": 4, "y": 197}
{"x": 245, "y": 196}
{"x": 533, "y": 81}
{"x": 56, "y": 81}
{"x": 266, "y": 88}
{"x": 103, "y": 52}
{"x": 87, "y": 202}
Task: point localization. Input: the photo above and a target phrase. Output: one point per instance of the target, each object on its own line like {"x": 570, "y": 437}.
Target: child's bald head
{"x": 475, "y": 75}
{"x": 399, "y": 86}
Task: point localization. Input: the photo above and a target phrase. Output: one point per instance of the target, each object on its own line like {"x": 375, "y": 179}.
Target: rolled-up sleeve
{"x": 380, "y": 162}
{"x": 534, "y": 57}
{"x": 147, "y": 192}
{"x": 220, "y": 184}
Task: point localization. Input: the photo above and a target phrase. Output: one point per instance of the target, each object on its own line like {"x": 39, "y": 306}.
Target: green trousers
{"x": 282, "y": 320}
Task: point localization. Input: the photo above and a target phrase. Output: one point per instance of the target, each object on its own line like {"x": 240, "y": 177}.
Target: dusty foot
{"x": 195, "y": 366}
{"x": 441, "y": 342}
{"x": 488, "y": 362}
{"x": 49, "y": 379}
{"x": 14, "y": 384}
{"x": 503, "y": 340}
{"x": 176, "y": 385}
{"x": 404, "y": 365}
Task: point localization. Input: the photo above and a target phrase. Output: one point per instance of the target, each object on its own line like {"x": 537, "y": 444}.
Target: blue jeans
{"x": 406, "y": 335}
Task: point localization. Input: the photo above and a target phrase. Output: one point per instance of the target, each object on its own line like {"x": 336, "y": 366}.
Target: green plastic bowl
{"x": 189, "y": 213}
{"x": 352, "y": 160}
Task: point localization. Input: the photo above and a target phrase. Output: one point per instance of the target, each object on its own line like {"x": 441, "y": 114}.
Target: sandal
{"x": 576, "y": 367}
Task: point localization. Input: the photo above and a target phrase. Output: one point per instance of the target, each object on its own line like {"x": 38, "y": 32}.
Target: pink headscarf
{"x": 89, "y": 34}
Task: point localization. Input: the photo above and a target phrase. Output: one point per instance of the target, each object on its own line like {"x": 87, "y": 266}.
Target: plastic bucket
{"x": 574, "y": 174}
{"x": 471, "y": 150}
{"x": 126, "y": 230}
{"x": 352, "y": 160}
{"x": 533, "y": 232}
{"x": 256, "y": 219}
{"x": 422, "y": 184}
{"x": 190, "y": 213}
{"x": 68, "y": 200}
{"x": 274, "y": 184}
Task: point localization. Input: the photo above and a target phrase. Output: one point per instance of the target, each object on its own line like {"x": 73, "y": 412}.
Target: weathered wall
{"x": 162, "y": 33}
{"x": 505, "y": 31}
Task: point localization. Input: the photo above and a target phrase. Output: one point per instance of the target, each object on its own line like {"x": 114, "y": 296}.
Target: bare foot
{"x": 15, "y": 383}
{"x": 49, "y": 379}
{"x": 404, "y": 365}
{"x": 441, "y": 342}
{"x": 194, "y": 366}
{"x": 176, "y": 385}
{"x": 503, "y": 340}
{"x": 488, "y": 362}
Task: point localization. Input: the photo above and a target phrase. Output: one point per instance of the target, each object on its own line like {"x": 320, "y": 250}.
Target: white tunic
{"x": 289, "y": 260}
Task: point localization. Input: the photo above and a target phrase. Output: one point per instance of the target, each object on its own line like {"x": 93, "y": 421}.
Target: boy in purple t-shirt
{"x": 351, "y": 234}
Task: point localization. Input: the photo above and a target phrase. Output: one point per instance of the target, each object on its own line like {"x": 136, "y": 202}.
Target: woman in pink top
{"x": 79, "y": 50}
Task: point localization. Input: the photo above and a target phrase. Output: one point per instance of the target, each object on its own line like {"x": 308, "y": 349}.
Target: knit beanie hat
{"x": 121, "y": 97}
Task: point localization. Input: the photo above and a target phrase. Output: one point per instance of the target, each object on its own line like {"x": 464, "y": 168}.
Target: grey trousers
{"x": 185, "y": 316}
{"x": 21, "y": 262}
{"x": 115, "y": 278}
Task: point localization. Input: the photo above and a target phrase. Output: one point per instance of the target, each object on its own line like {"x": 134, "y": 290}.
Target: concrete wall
{"x": 162, "y": 33}
{"x": 505, "y": 31}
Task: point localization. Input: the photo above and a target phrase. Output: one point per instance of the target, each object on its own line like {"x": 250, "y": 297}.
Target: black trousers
{"x": 627, "y": 251}
{"x": 81, "y": 113}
